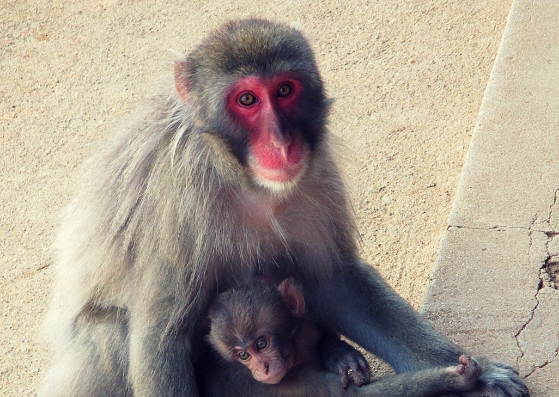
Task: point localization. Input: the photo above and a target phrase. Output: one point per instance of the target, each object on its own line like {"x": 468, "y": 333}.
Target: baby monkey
{"x": 267, "y": 347}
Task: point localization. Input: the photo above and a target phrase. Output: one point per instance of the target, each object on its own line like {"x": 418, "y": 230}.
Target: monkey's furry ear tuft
{"x": 292, "y": 297}
{"x": 182, "y": 79}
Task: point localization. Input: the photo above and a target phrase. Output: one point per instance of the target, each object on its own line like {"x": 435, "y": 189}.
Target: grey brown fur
{"x": 169, "y": 215}
{"x": 238, "y": 317}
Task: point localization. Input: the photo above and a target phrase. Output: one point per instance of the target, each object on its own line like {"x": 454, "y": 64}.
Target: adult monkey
{"x": 226, "y": 177}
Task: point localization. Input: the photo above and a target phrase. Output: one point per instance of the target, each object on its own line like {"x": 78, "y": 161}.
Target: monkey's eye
{"x": 261, "y": 344}
{"x": 242, "y": 355}
{"x": 247, "y": 99}
{"x": 284, "y": 90}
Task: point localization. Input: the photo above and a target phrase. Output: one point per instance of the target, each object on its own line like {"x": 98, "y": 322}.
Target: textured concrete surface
{"x": 494, "y": 288}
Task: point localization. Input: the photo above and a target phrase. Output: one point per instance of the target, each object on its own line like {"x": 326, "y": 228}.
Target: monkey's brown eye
{"x": 284, "y": 90}
{"x": 247, "y": 99}
{"x": 243, "y": 355}
{"x": 261, "y": 344}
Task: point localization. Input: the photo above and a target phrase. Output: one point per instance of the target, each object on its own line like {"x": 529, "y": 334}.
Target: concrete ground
{"x": 494, "y": 289}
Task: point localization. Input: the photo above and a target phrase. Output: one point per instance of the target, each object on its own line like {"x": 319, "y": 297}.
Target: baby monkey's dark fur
{"x": 240, "y": 316}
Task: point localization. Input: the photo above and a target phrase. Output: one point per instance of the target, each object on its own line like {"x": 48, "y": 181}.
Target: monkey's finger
{"x": 364, "y": 365}
{"x": 360, "y": 376}
{"x": 365, "y": 368}
{"x": 345, "y": 379}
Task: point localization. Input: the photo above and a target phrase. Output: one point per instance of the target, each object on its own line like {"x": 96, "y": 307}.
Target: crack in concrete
{"x": 551, "y": 209}
{"x": 533, "y": 310}
{"x": 549, "y": 231}
{"x": 543, "y": 251}
{"x": 549, "y": 273}
{"x": 496, "y": 227}
{"x": 547, "y": 279}
{"x": 536, "y": 367}
{"x": 550, "y": 269}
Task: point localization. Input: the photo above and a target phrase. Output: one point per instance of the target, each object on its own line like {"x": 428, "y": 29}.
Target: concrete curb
{"x": 494, "y": 288}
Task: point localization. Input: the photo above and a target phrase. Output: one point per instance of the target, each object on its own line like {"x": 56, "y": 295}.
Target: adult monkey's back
{"x": 225, "y": 176}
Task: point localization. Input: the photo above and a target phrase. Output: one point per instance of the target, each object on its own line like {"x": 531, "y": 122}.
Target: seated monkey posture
{"x": 227, "y": 173}
{"x": 267, "y": 347}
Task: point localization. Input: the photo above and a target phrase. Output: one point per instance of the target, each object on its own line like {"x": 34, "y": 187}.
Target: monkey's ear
{"x": 292, "y": 297}
{"x": 182, "y": 80}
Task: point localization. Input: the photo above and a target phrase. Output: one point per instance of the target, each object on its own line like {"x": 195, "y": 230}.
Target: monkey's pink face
{"x": 266, "y": 108}
{"x": 264, "y": 360}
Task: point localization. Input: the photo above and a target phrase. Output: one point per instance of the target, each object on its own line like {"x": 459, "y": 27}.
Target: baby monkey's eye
{"x": 261, "y": 344}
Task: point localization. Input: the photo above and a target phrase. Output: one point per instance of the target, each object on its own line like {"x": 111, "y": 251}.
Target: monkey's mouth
{"x": 278, "y": 373}
{"x": 276, "y": 378}
{"x": 286, "y": 174}
{"x": 279, "y": 165}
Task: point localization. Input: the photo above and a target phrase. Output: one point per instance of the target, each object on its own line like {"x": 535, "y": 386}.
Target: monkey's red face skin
{"x": 266, "y": 108}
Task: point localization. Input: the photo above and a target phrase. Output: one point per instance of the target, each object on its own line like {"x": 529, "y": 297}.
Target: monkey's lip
{"x": 281, "y": 175}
